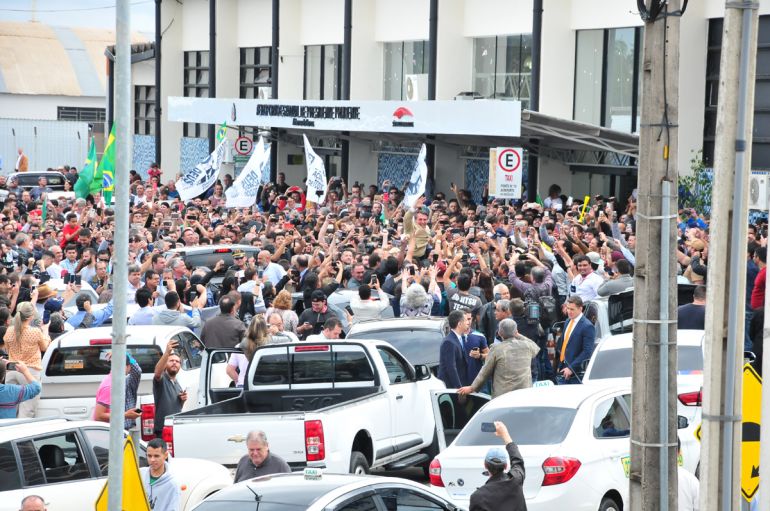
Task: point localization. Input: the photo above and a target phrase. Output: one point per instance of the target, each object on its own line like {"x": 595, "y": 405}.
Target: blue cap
{"x": 497, "y": 457}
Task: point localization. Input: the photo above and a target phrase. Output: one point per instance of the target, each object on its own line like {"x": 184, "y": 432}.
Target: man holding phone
{"x": 365, "y": 306}
{"x": 103, "y": 396}
{"x": 11, "y": 394}
{"x": 169, "y": 396}
{"x": 504, "y": 488}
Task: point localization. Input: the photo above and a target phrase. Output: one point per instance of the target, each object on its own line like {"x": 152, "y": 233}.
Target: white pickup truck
{"x": 75, "y": 364}
{"x": 349, "y": 406}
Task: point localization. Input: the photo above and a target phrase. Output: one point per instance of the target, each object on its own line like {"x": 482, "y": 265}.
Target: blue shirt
{"x": 11, "y": 395}
{"x": 100, "y": 316}
{"x": 474, "y": 340}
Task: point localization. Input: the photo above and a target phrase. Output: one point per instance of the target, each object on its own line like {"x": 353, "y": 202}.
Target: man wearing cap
{"x": 239, "y": 260}
{"x": 503, "y": 489}
{"x": 312, "y": 320}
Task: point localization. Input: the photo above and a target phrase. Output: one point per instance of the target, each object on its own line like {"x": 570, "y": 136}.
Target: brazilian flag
{"x": 86, "y": 174}
{"x": 221, "y": 132}
{"x": 104, "y": 180}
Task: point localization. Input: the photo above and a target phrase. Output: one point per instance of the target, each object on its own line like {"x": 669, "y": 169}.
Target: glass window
{"x": 620, "y": 79}
{"x": 397, "y": 371}
{"x": 399, "y": 499}
{"x": 195, "y": 85}
{"x": 362, "y": 504}
{"x": 417, "y": 346}
{"x": 93, "y": 360}
{"x": 588, "y": 76}
{"x": 9, "y": 470}
{"x": 62, "y": 458}
{"x": 255, "y": 72}
{"x": 99, "y": 443}
{"x": 393, "y": 73}
{"x": 455, "y": 415}
{"x": 323, "y": 71}
{"x": 144, "y": 109}
{"x": 350, "y": 366}
{"x": 617, "y": 363}
{"x": 33, "y": 471}
{"x": 194, "y": 348}
{"x": 272, "y": 369}
{"x": 312, "y": 367}
{"x": 610, "y": 420}
{"x": 502, "y": 67}
{"x": 332, "y": 72}
{"x": 529, "y": 425}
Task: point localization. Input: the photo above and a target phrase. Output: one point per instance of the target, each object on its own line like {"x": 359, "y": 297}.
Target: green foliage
{"x": 695, "y": 189}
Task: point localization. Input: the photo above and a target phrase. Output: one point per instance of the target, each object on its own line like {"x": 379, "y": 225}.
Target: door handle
{"x": 399, "y": 396}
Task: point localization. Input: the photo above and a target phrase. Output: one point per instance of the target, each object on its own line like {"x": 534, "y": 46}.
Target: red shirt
{"x": 69, "y": 230}
{"x": 758, "y": 293}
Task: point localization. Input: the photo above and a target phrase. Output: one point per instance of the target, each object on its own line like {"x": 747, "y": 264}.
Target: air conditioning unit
{"x": 416, "y": 87}
{"x": 264, "y": 93}
{"x": 758, "y": 190}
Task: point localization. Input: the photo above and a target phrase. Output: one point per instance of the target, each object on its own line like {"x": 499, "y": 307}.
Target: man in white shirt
{"x": 332, "y": 330}
{"x": 688, "y": 487}
{"x": 586, "y": 283}
{"x": 364, "y": 306}
{"x": 251, "y": 284}
{"x": 273, "y": 271}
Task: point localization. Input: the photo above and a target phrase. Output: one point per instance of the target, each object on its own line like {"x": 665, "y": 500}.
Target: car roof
{"x": 22, "y": 428}
{"x": 559, "y": 396}
{"x": 621, "y": 341}
{"x": 137, "y": 334}
{"x": 294, "y": 489}
{"x": 206, "y": 249}
{"x": 426, "y": 323}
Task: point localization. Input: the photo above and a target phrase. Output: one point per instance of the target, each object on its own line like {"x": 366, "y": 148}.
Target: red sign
{"x": 243, "y": 146}
{"x": 509, "y": 159}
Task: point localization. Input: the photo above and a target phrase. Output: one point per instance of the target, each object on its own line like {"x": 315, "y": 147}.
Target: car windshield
{"x": 616, "y": 363}
{"x": 229, "y": 505}
{"x": 209, "y": 259}
{"x": 417, "y": 346}
{"x": 55, "y": 181}
{"x": 528, "y": 425}
{"x": 94, "y": 360}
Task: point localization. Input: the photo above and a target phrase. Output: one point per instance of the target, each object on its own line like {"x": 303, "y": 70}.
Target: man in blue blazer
{"x": 576, "y": 343}
{"x": 452, "y": 367}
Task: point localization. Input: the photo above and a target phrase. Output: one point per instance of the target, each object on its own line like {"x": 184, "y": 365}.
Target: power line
{"x": 79, "y": 9}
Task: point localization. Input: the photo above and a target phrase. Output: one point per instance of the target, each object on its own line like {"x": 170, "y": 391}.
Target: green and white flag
{"x": 86, "y": 174}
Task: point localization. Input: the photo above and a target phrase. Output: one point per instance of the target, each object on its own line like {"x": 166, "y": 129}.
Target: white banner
{"x": 508, "y": 171}
{"x": 316, "y": 174}
{"x": 418, "y": 179}
{"x": 478, "y": 118}
{"x": 243, "y": 193}
{"x": 203, "y": 175}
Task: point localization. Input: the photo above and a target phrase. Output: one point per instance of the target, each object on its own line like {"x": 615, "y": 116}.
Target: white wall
{"x": 172, "y": 61}
{"x": 254, "y": 26}
{"x": 454, "y": 51}
{"x": 363, "y": 162}
{"x": 496, "y": 17}
{"x": 402, "y": 20}
{"x": 294, "y": 173}
{"x": 291, "y": 68}
{"x": 557, "y": 61}
{"x": 449, "y": 169}
{"x": 587, "y": 14}
{"x": 553, "y": 171}
{"x": 366, "y": 54}
{"x": 195, "y": 25}
{"x": 322, "y": 21}
{"x": 29, "y": 106}
{"x": 228, "y": 52}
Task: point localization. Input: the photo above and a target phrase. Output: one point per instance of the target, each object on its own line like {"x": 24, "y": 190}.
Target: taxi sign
{"x": 134, "y": 498}
{"x": 543, "y": 383}
{"x": 752, "y": 399}
{"x": 312, "y": 474}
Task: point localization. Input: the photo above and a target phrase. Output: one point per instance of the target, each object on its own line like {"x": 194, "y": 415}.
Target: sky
{"x": 80, "y": 13}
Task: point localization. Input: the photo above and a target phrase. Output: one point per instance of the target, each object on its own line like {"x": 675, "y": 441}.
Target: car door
{"x": 610, "y": 434}
{"x": 57, "y": 467}
{"x": 452, "y": 412}
{"x": 212, "y": 388}
{"x": 407, "y": 416}
{"x": 411, "y": 499}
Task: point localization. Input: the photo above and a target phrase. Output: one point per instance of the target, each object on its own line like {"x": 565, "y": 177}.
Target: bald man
{"x": 273, "y": 271}
{"x": 33, "y": 503}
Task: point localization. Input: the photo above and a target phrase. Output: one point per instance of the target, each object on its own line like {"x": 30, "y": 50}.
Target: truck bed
{"x": 283, "y": 400}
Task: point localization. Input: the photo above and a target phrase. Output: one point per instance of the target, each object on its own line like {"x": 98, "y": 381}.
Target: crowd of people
{"x": 513, "y": 278}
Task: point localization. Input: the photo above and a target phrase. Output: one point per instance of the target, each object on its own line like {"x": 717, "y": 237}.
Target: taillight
{"x": 314, "y": 441}
{"x": 434, "y": 473}
{"x": 559, "y": 470}
{"x": 300, "y": 349}
{"x": 100, "y": 342}
{"x": 148, "y": 422}
{"x": 691, "y": 398}
{"x": 168, "y": 437}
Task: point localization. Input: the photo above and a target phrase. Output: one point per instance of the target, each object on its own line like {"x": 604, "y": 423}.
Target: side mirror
{"x": 681, "y": 422}
{"x": 749, "y": 357}
{"x": 422, "y": 372}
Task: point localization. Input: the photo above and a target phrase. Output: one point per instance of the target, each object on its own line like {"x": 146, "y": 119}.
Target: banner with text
{"x": 505, "y": 171}
{"x": 316, "y": 174}
{"x": 243, "y": 193}
{"x": 203, "y": 175}
{"x": 417, "y": 180}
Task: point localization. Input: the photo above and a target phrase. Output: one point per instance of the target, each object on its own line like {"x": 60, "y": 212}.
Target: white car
{"x": 65, "y": 462}
{"x": 312, "y": 490}
{"x": 574, "y": 440}
{"x": 611, "y": 364}
{"x": 75, "y": 364}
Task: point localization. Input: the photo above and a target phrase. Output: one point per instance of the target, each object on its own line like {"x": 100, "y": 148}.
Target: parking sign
{"x": 507, "y": 182}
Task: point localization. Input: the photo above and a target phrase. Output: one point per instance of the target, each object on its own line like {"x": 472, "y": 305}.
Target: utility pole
{"x": 122, "y": 159}
{"x": 653, "y": 475}
{"x": 722, "y": 389}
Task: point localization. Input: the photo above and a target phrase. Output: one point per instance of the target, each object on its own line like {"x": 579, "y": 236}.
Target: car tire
{"x": 358, "y": 463}
{"x": 609, "y": 504}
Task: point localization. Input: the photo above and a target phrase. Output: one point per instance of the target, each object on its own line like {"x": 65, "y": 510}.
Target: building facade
{"x": 590, "y": 72}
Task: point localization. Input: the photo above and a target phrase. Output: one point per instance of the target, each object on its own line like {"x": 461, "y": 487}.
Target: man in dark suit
{"x": 576, "y": 342}
{"x": 452, "y": 367}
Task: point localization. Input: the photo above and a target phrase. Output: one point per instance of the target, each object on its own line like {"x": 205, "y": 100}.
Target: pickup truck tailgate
{"x": 222, "y": 438}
